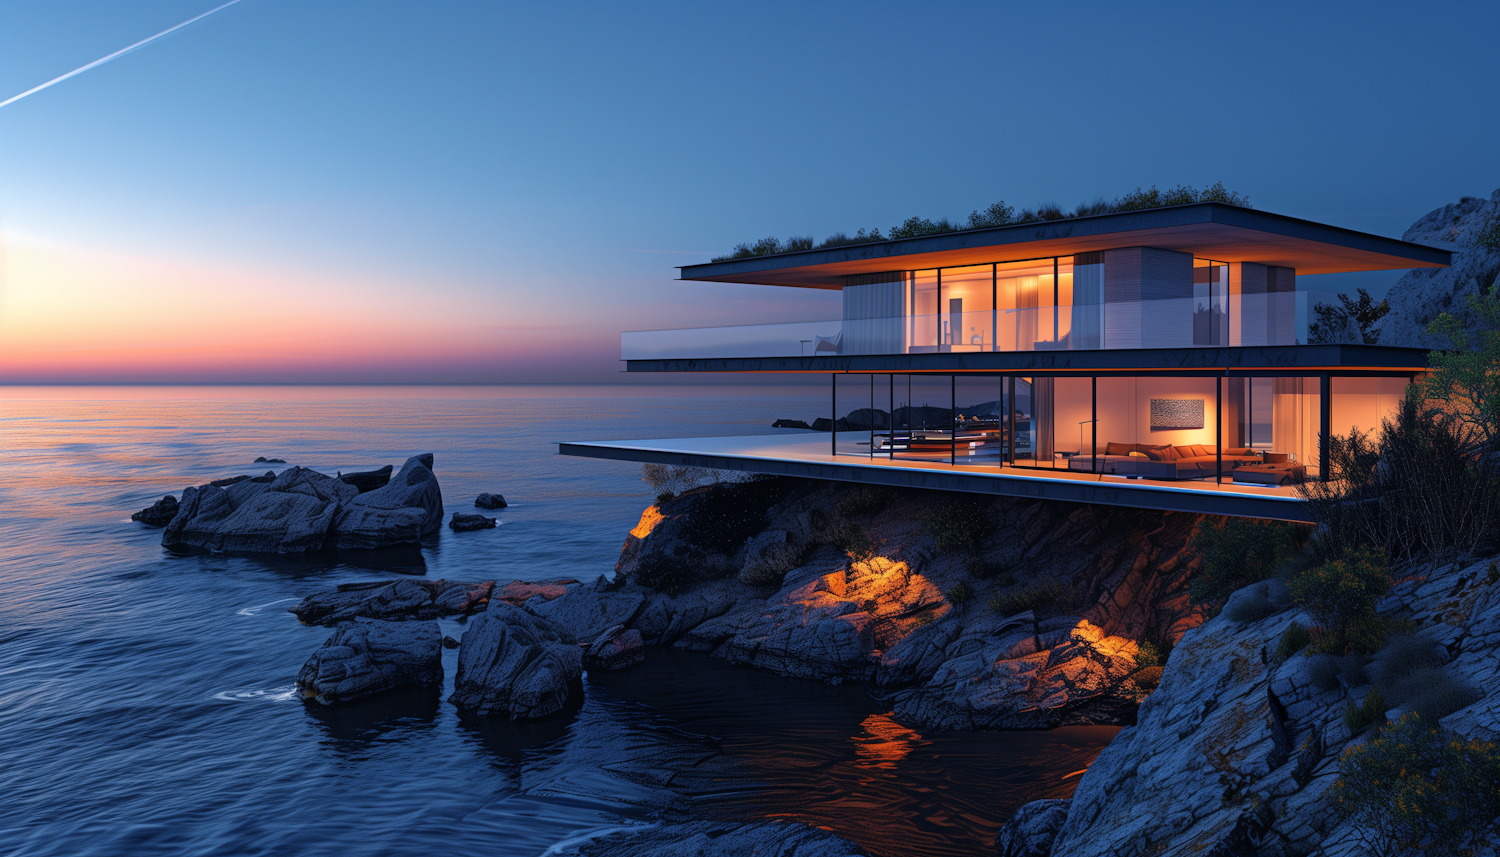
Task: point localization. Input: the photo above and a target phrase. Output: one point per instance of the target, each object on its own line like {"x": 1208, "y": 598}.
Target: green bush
{"x": 959, "y": 593}
{"x": 1417, "y": 788}
{"x": 1341, "y": 595}
{"x": 1040, "y": 596}
{"x": 671, "y": 572}
{"x": 1153, "y": 653}
{"x": 729, "y": 514}
{"x": 1293, "y": 640}
{"x": 1404, "y": 654}
{"x": 1369, "y": 713}
{"x": 958, "y": 524}
{"x": 665, "y": 497}
{"x": 1237, "y": 552}
{"x": 852, "y": 501}
{"x": 983, "y": 569}
{"x": 1489, "y": 236}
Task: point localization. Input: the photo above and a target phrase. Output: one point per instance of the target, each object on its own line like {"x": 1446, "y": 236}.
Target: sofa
{"x": 1162, "y": 461}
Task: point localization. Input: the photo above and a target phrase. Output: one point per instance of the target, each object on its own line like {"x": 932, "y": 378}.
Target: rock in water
{"x": 515, "y": 664}
{"x": 490, "y": 501}
{"x": 465, "y": 523}
{"x": 616, "y": 649}
{"x": 408, "y": 509}
{"x": 370, "y": 656}
{"x": 400, "y": 599}
{"x": 158, "y": 514}
{"x": 263, "y": 460}
{"x": 1031, "y": 831}
{"x": 796, "y": 424}
{"x": 291, "y": 513}
{"x": 721, "y": 839}
{"x": 367, "y": 480}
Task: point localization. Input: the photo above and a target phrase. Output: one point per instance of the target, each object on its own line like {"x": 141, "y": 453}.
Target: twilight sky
{"x": 339, "y": 191}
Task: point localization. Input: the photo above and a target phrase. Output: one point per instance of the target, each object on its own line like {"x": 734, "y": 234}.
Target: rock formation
{"x": 463, "y": 523}
{"x": 718, "y": 838}
{"x": 301, "y": 510}
{"x": 1424, "y": 293}
{"x": 414, "y": 598}
{"x": 1032, "y": 830}
{"x": 490, "y": 501}
{"x": 615, "y": 649}
{"x": 364, "y": 657}
{"x": 515, "y": 664}
{"x": 158, "y": 514}
{"x": 1034, "y": 624}
{"x": 368, "y": 480}
{"x": 1236, "y": 752}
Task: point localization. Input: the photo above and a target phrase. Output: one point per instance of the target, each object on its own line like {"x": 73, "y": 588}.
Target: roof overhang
{"x": 1223, "y": 233}
{"x": 1254, "y": 360}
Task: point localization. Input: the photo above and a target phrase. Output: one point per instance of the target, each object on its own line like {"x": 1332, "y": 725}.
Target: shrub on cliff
{"x": 958, "y": 523}
{"x": 1040, "y": 596}
{"x": 1340, "y": 596}
{"x": 727, "y": 516}
{"x": 1420, "y": 789}
{"x": 1237, "y": 552}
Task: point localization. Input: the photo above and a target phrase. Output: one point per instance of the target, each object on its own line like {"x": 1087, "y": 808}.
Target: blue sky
{"x": 340, "y": 191}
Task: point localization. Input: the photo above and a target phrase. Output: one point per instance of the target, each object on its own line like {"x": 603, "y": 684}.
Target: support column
{"x": 833, "y": 406}
{"x": 1325, "y": 389}
{"x": 952, "y": 419}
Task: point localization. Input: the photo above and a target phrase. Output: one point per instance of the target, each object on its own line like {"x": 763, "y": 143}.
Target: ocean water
{"x": 146, "y": 698}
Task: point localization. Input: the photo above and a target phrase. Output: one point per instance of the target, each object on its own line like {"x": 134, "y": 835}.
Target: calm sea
{"x": 146, "y": 699}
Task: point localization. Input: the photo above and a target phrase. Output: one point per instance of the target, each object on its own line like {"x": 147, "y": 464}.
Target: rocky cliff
{"x": 1237, "y": 750}
{"x": 1422, "y": 294}
{"x": 966, "y": 612}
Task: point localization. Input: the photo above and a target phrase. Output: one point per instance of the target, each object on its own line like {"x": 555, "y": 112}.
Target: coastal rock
{"x": 408, "y": 509}
{"x": 587, "y": 610}
{"x": 518, "y": 592}
{"x": 400, "y": 599}
{"x": 1032, "y": 830}
{"x": 1424, "y": 293}
{"x": 261, "y": 459}
{"x": 490, "y": 501}
{"x": 367, "y": 480}
{"x": 513, "y": 663}
{"x": 718, "y": 839}
{"x": 369, "y": 656}
{"x": 463, "y": 523}
{"x": 792, "y": 424}
{"x": 615, "y": 649}
{"x": 158, "y": 514}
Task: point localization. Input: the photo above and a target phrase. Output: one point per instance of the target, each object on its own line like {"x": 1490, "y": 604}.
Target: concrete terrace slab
{"x": 808, "y": 455}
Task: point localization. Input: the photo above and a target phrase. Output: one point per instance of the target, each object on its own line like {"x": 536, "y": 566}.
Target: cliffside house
{"x": 1152, "y": 359}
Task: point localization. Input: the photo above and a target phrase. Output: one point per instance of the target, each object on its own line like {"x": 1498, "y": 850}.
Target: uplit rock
{"x": 1032, "y": 830}
{"x": 1423, "y": 293}
{"x": 399, "y": 599}
{"x": 368, "y": 656}
{"x": 158, "y": 514}
{"x": 514, "y": 664}
{"x": 719, "y": 839}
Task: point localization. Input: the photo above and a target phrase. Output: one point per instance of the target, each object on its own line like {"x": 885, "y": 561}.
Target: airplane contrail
{"x": 119, "y": 53}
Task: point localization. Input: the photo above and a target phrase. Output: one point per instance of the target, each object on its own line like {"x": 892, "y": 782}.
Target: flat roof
{"x": 807, "y": 455}
{"x": 1208, "y": 230}
{"x": 1260, "y": 360}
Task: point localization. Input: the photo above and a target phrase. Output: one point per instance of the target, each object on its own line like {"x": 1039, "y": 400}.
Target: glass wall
{"x": 924, "y": 322}
{"x": 1210, "y": 303}
{"x": 983, "y": 420}
{"x": 967, "y": 307}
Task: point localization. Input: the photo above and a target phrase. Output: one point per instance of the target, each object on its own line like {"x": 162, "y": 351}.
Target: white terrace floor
{"x": 809, "y": 454}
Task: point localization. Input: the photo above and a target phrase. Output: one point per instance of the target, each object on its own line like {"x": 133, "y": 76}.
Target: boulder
{"x": 720, "y": 839}
{"x": 364, "y": 657}
{"x": 1031, "y": 831}
{"x": 400, "y": 599}
{"x": 463, "y": 523}
{"x": 1423, "y": 293}
{"x": 408, "y": 509}
{"x": 515, "y": 664}
{"x": 585, "y": 611}
{"x": 158, "y": 514}
{"x": 261, "y": 459}
{"x": 290, "y": 513}
{"x": 367, "y": 480}
{"x": 615, "y": 649}
{"x": 490, "y": 501}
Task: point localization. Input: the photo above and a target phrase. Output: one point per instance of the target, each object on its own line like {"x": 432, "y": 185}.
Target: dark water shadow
{"x": 511, "y": 739}
{"x": 406, "y": 559}
{"x": 353, "y": 726}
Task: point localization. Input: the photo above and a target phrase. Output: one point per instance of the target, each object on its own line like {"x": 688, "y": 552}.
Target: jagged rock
{"x": 719, "y": 839}
{"x": 400, "y": 599}
{"x": 490, "y": 501}
{"x": 449, "y": 642}
{"x": 585, "y": 611}
{"x": 1031, "y": 831}
{"x": 291, "y": 513}
{"x": 1423, "y": 293}
{"x": 465, "y": 523}
{"x": 368, "y": 480}
{"x": 793, "y": 424}
{"x": 261, "y": 459}
{"x": 301, "y": 510}
{"x": 513, "y": 663}
{"x": 615, "y": 649}
{"x": 518, "y": 592}
{"x": 158, "y": 514}
{"x": 369, "y": 656}
{"x": 408, "y": 509}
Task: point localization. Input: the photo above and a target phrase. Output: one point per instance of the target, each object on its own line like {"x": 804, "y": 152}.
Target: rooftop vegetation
{"x": 998, "y": 214}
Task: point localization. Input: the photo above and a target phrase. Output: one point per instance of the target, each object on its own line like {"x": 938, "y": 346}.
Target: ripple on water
{"x": 264, "y": 694}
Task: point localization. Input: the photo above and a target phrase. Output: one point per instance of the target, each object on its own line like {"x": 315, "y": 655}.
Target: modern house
{"x": 1154, "y": 359}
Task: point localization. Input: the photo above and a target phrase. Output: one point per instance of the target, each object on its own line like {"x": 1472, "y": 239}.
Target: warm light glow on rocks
{"x": 649, "y": 519}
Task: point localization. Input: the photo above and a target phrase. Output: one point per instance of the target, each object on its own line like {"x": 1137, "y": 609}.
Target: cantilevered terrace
{"x": 1154, "y": 359}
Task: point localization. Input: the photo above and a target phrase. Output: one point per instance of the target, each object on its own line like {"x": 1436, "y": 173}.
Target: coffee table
{"x": 1270, "y": 474}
